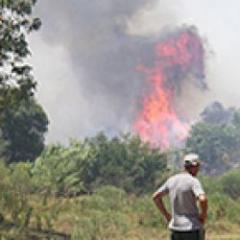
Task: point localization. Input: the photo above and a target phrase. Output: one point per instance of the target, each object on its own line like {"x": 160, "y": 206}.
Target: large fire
{"x": 177, "y": 57}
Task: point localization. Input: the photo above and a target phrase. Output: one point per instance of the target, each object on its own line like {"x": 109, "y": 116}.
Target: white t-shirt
{"x": 183, "y": 190}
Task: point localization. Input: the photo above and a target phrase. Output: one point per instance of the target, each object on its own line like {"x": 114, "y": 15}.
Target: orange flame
{"x": 158, "y": 122}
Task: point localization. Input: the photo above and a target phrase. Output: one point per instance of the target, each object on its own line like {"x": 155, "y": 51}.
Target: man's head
{"x": 192, "y": 163}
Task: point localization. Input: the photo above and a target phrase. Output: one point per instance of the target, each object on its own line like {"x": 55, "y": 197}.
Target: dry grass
{"x": 135, "y": 221}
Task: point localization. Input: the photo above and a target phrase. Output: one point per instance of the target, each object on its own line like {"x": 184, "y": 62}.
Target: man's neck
{"x": 189, "y": 172}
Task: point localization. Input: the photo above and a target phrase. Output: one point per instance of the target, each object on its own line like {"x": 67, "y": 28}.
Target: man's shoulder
{"x": 182, "y": 176}
{"x": 176, "y": 177}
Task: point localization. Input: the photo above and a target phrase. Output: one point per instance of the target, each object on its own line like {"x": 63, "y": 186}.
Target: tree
{"x": 230, "y": 184}
{"x": 23, "y": 131}
{"x": 22, "y": 121}
{"x": 217, "y": 138}
{"x": 124, "y": 162}
{"x": 214, "y": 144}
{"x": 15, "y": 23}
{"x": 59, "y": 169}
{"x": 84, "y": 167}
{"x": 217, "y": 114}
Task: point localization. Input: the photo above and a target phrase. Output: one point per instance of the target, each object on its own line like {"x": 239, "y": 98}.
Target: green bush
{"x": 110, "y": 214}
{"x": 107, "y": 198}
{"x": 233, "y": 213}
{"x": 147, "y": 213}
{"x": 83, "y": 167}
{"x": 14, "y": 188}
{"x": 230, "y": 183}
{"x": 211, "y": 185}
{"x": 101, "y": 225}
{"x": 58, "y": 170}
{"x": 115, "y": 197}
{"x": 219, "y": 204}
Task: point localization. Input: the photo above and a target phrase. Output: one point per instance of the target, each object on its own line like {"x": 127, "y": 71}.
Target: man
{"x": 186, "y": 219}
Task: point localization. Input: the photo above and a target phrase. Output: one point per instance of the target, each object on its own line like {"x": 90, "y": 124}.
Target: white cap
{"x": 191, "y": 159}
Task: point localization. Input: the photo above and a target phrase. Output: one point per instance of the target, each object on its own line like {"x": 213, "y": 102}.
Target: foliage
{"x": 116, "y": 198}
{"x": 223, "y": 196}
{"x": 211, "y": 184}
{"x": 216, "y": 145}
{"x": 23, "y": 131}
{"x": 112, "y": 214}
{"x": 22, "y": 121}
{"x": 148, "y": 214}
{"x": 15, "y": 196}
{"x": 220, "y": 204}
{"x": 101, "y": 225}
{"x": 124, "y": 162}
{"x": 216, "y": 138}
{"x": 139, "y": 214}
{"x": 230, "y": 183}
{"x": 109, "y": 213}
{"x": 59, "y": 169}
{"x": 85, "y": 166}
{"x": 15, "y": 22}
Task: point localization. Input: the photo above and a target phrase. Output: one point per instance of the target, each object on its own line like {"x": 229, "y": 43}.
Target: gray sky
{"x": 74, "y": 48}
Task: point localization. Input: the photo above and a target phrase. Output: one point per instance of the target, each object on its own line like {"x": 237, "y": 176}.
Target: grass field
{"x": 109, "y": 214}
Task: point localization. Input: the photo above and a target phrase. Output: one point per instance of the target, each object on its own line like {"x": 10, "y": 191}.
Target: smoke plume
{"x": 88, "y": 80}
{"x": 88, "y": 77}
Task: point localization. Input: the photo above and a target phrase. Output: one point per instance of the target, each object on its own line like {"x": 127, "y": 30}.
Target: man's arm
{"x": 202, "y": 199}
{"x": 203, "y": 205}
{"x": 157, "y": 198}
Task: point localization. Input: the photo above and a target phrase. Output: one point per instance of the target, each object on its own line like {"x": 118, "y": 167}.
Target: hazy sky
{"x": 71, "y": 52}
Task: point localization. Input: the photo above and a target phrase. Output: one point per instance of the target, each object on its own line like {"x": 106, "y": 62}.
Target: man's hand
{"x": 168, "y": 217}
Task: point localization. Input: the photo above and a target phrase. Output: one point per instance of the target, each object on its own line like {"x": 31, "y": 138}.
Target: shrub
{"x": 219, "y": 204}
{"x": 148, "y": 214}
{"x": 230, "y": 183}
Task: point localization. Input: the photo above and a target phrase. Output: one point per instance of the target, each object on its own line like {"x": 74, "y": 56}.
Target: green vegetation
{"x": 83, "y": 167}
{"x": 65, "y": 193}
{"x": 217, "y": 144}
{"x": 22, "y": 121}
{"x": 107, "y": 213}
{"x": 23, "y": 131}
